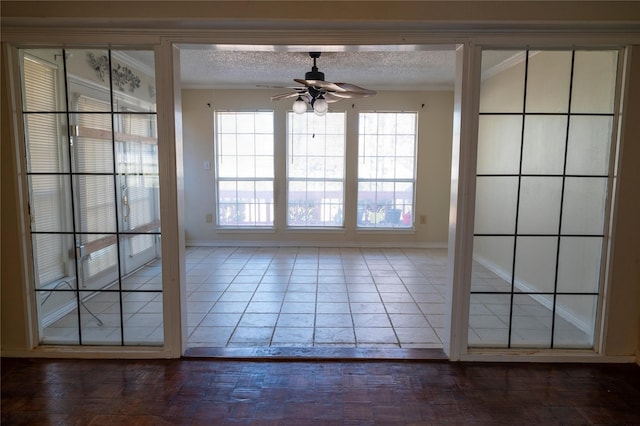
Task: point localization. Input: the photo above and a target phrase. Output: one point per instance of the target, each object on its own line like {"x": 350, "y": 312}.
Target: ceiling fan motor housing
{"x": 314, "y": 74}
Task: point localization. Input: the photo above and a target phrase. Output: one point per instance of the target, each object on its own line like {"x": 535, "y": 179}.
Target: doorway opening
{"x": 362, "y": 263}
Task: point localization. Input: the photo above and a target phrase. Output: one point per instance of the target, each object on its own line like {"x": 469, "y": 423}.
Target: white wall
{"x": 432, "y": 188}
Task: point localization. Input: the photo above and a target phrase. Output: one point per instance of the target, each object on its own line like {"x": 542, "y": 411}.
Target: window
{"x": 386, "y": 169}
{"x": 315, "y": 169}
{"x": 93, "y": 196}
{"x": 542, "y": 198}
{"x": 244, "y": 168}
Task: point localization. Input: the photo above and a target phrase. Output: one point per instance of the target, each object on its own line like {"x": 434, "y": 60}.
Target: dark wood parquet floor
{"x": 211, "y": 392}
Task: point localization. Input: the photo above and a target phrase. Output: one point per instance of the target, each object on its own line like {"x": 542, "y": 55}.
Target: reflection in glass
{"x": 47, "y": 150}
{"x": 143, "y": 324}
{"x": 536, "y": 264}
{"x": 100, "y": 318}
{"x": 575, "y": 321}
{"x": 133, "y": 80}
{"x": 492, "y": 264}
{"x": 41, "y": 90}
{"x": 56, "y": 329}
{"x": 579, "y": 264}
{"x": 531, "y": 321}
{"x": 489, "y": 320}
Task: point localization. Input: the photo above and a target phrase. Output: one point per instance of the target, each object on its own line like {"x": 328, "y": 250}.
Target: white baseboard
{"x": 324, "y": 244}
{"x": 544, "y": 300}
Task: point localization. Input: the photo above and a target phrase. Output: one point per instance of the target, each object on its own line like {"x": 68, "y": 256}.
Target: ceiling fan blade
{"x": 349, "y": 95}
{"x": 267, "y": 86}
{"x": 319, "y": 84}
{"x": 285, "y": 96}
{"x": 330, "y": 97}
{"x": 356, "y": 89}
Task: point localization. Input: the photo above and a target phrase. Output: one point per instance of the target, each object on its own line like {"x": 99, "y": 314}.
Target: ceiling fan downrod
{"x": 314, "y": 74}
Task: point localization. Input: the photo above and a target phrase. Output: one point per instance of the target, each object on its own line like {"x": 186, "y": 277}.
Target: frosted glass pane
{"x": 589, "y": 145}
{"x": 579, "y": 264}
{"x": 544, "y": 143}
{"x": 499, "y": 144}
{"x": 536, "y": 264}
{"x": 492, "y": 264}
{"x": 88, "y": 76}
{"x": 575, "y": 321}
{"x": 495, "y": 205}
{"x": 531, "y": 322}
{"x": 502, "y": 87}
{"x": 594, "y": 81}
{"x": 584, "y": 205}
{"x": 548, "y": 81}
{"x": 489, "y": 320}
{"x": 539, "y": 211}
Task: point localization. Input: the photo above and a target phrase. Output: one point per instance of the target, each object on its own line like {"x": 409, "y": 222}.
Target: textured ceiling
{"x": 208, "y": 67}
{"x": 375, "y": 68}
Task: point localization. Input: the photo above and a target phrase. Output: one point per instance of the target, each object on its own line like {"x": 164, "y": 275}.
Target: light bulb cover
{"x": 299, "y": 106}
{"x": 320, "y": 106}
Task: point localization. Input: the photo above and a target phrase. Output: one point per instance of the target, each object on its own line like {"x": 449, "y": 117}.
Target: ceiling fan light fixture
{"x": 299, "y": 106}
{"x": 320, "y": 106}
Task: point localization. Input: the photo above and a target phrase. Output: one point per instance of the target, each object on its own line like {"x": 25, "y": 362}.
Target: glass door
{"x": 91, "y": 149}
{"x": 543, "y": 191}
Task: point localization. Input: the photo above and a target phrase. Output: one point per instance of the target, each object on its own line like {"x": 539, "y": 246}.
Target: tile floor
{"x": 241, "y": 297}
{"x": 315, "y": 297}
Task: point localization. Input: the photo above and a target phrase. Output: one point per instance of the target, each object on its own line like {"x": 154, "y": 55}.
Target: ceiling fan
{"x": 318, "y": 93}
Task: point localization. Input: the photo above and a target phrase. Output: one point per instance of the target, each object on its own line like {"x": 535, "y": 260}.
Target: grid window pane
{"x": 536, "y": 264}
{"x": 589, "y": 145}
{"x": 492, "y": 264}
{"x": 386, "y": 169}
{"x": 496, "y": 199}
{"x": 575, "y": 321}
{"x": 499, "y": 144}
{"x": 594, "y": 81}
{"x": 497, "y": 93}
{"x": 93, "y": 188}
{"x": 548, "y": 81}
{"x": 315, "y": 169}
{"x": 544, "y": 144}
{"x": 531, "y": 321}
{"x": 244, "y": 168}
{"x": 559, "y": 189}
{"x": 539, "y": 207}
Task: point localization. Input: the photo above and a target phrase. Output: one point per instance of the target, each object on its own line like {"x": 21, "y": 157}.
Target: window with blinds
{"x": 92, "y": 170}
{"x": 45, "y": 164}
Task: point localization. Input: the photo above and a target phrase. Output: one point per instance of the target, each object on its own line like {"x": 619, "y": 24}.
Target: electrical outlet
{"x": 423, "y": 219}
{"x": 209, "y": 218}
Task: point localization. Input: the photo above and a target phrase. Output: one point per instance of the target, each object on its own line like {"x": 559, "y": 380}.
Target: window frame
{"x": 289, "y": 180}
{"x": 412, "y": 181}
{"x": 217, "y": 179}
